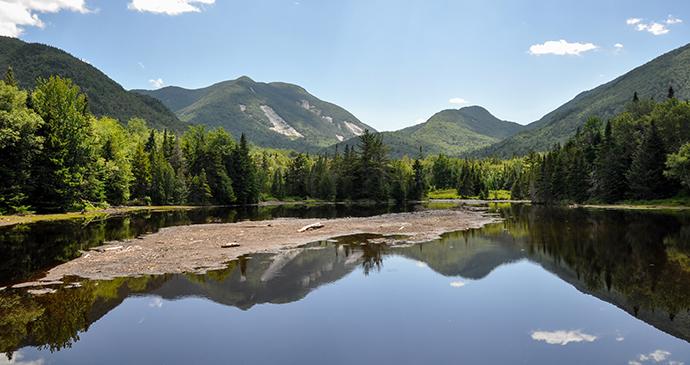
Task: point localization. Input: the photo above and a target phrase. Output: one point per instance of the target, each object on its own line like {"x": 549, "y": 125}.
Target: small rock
{"x": 231, "y": 244}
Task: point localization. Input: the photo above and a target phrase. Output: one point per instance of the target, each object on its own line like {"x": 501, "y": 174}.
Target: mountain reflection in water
{"x": 637, "y": 261}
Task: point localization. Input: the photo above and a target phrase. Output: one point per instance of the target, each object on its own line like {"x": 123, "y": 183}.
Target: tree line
{"x": 643, "y": 154}
{"x": 57, "y": 157}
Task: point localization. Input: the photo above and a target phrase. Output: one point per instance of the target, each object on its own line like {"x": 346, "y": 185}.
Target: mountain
{"x": 452, "y": 131}
{"x": 276, "y": 115}
{"x": 29, "y": 61}
{"x": 650, "y": 80}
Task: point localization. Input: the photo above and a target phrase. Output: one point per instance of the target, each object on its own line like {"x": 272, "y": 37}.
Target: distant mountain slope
{"x": 453, "y": 131}
{"x": 276, "y": 115}
{"x": 29, "y": 61}
{"x": 606, "y": 101}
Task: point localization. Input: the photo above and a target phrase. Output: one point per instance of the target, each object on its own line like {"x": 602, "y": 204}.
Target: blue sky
{"x": 391, "y": 63}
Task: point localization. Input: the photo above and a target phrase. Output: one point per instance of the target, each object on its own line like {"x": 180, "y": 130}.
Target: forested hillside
{"x": 650, "y": 80}
{"x": 453, "y": 132}
{"x": 29, "y": 61}
{"x": 275, "y": 115}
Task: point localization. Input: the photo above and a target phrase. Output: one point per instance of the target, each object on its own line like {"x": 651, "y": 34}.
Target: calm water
{"x": 547, "y": 286}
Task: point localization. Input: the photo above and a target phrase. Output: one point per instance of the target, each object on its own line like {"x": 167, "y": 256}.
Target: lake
{"x": 547, "y": 285}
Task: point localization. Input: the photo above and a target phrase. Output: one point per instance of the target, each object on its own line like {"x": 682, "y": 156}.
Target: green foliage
{"x": 67, "y": 168}
{"x": 31, "y": 61}
{"x": 650, "y": 81}
{"x": 452, "y": 132}
{"x": 241, "y": 106}
{"x": 678, "y": 165}
{"x": 19, "y": 144}
{"x": 628, "y": 162}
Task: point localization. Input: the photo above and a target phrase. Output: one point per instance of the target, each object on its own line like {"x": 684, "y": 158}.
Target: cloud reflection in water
{"x": 562, "y": 337}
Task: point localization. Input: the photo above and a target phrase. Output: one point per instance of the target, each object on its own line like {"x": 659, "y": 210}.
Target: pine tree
{"x": 243, "y": 176}
{"x": 645, "y": 176}
{"x": 670, "y": 93}
{"x": 66, "y": 168}
{"x": 9, "y": 78}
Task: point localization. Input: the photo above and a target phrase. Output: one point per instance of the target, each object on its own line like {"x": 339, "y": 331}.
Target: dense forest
{"x": 57, "y": 157}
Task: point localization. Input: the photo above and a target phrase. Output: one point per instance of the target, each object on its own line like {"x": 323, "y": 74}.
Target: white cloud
{"x": 654, "y": 357}
{"x": 562, "y": 337}
{"x": 18, "y": 13}
{"x": 673, "y": 20}
{"x": 169, "y": 7}
{"x": 157, "y": 83}
{"x": 561, "y": 48}
{"x": 658, "y": 355}
{"x": 457, "y": 284}
{"x": 619, "y": 47}
{"x": 142, "y": 65}
{"x": 458, "y": 101}
{"x": 157, "y": 302}
{"x": 16, "y": 360}
{"x": 655, "y": 28}
{"x": 420, "y": 121}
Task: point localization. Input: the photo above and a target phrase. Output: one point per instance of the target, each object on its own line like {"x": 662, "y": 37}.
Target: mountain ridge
{"x": 275, "y": 114}
{"x": 650, "y": 80}
{"x": 30, "y": 61}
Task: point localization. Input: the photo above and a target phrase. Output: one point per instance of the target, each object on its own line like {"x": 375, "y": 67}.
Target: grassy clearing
{"x": 7, "y": 220}
{"x": 453, "y": 194}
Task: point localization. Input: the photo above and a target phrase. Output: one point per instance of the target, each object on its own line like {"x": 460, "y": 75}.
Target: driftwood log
{"x": 316, "y": 225}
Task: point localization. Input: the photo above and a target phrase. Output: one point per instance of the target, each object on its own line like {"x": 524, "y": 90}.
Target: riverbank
{"x": 200, "y": 248}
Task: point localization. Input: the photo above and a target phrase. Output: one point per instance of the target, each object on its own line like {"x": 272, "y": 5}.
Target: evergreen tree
{"x": 277, "y": 184}
{"x": 608, "y": 178}
{"x": 371, "y": 168}
{"x": 419, "y": 186}
{"x": 244, "y": 174}
{"x": 297, "y": 177}
{"x": 9, "y": 78}
{"x": 19, "y": 145}
{"x": 671, "y": 93}
{"x": 199, "y": 192}
{"x": 141, "y": 173}
{"x": 645, "y": 176}
{"x": 66, "y": 169}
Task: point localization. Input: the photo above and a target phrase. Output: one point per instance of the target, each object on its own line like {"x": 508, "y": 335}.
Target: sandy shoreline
{"x": 198, "y": 248}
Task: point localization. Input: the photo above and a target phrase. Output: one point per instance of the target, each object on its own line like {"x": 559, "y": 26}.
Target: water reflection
{"x": 637, "y": 261}
{"x": 27, "y": 250}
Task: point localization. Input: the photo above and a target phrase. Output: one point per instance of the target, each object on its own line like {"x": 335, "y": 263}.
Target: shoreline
{"x": 114, "y": 211}
{"x": 201, "y": 248}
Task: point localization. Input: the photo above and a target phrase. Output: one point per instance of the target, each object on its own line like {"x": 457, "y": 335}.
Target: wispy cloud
{"x": 157, "y": 302}
{"x": 457, "y": 284}
{"x": 458, "y": 101}
{"x": 656, "y": 28}
{"x": 561, "y": 48}
{"x": 619, "y": 47}
{"x": 168, "y": 7}
{"x": 17, "y": 14}
{"x": 562, "y": 337}
{"x": 142, "y": 65}
{"x": 672, "y": 20}
{"x": 157, "y": 83}
{"x": 653, "y": 358}
{"x": 420, "y": 121}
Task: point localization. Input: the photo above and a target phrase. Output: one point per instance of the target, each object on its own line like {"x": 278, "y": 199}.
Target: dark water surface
{"x": 546, "y": 286}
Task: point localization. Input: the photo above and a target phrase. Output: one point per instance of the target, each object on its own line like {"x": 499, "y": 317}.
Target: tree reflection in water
{"x": 641, "y": 257}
